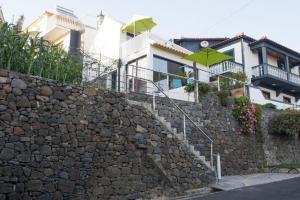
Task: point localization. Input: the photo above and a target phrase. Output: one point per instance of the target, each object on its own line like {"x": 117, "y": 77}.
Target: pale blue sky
{"x": 276, "y": 19}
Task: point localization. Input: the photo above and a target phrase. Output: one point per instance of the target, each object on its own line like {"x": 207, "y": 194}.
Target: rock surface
{"x": 63, "y": 142}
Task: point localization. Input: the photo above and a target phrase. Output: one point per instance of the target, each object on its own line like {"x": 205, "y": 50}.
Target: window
{"x": 266, "y": 94}
{"x": 286, "y": 99}
{"x": 230, "y": 53}
{"x": 163, "y": 70}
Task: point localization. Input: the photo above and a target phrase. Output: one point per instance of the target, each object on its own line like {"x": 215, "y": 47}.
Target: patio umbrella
{"x": 206, "y": 57}
{"x": 139, "y": 24}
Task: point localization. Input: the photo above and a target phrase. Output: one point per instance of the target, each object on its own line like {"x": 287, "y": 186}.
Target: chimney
{"x": 100, "y": 19}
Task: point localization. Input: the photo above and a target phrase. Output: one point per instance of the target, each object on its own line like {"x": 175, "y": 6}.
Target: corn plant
{"x": 28, "y": 53}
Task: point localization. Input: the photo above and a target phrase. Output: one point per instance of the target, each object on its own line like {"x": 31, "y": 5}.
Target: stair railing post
{"x": 218, "y": 83}
{"x": 211, "y": 155}
{"x": 153, "y": 100}
{"x": 219, "y": 166}
{"x": 184, "y": 130}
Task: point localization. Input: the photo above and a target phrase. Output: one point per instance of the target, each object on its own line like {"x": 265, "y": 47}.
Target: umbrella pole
{"x": 134, "y": 29}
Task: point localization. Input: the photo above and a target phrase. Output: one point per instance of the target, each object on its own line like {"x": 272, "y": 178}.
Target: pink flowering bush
{"x": 248, "y": 115}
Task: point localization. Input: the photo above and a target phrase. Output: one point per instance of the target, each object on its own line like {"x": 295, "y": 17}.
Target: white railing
{"x": 224, "y": 67}
{"x": 275, "y": 71}
{"x": 295, "y": 78}
{"x": 63, "y": 22}
{"x": 267, "y": 69}
{"x": 134, "y": 44}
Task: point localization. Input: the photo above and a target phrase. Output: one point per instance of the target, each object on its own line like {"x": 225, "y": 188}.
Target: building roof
{"x": 199, "y": 39}
{"x": 1, "y": 15}
{"x": 233, "y": 39}
{"x": 275, "y": 44}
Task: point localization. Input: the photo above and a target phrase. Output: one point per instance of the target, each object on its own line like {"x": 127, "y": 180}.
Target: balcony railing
{"x": 224, "y": 67}
{"x": 266, "y": 69}
{"x": 135, "y": 44}
{"x": 61, "y": 22}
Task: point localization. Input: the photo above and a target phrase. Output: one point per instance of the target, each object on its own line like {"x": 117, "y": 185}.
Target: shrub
{"x": 189, "y": 88}
{"x": 228, "y": 84}
{"x": 270, "y": 106}
{"x": 285, "y": 123}
{"x": 203, "y": 88}
{"x": 223, "y": 95}
{"x": 242, "y": 101}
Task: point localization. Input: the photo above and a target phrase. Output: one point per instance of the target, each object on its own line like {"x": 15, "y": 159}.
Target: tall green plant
{"x": 27, "y": 53}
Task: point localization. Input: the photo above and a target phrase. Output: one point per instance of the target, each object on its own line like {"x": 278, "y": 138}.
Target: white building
{"x": 145, "y": 56}
{"x": 1, "y": 15}
{"x": 272, "y": 69}
{"x": 63, "y": 27}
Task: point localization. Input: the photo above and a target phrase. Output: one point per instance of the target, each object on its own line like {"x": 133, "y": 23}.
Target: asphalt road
{"x": 282, "y": 190}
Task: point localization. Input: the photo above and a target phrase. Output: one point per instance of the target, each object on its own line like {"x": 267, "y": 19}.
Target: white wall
{"x": 108, "y": 38}
{"x": 256, "y": 96}
{"x": 88, "y": 37}
{"x": 237, "y": 51}
{"x": 251, "y": 60}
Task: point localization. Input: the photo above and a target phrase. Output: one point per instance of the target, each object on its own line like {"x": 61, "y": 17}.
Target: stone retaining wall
{"x": 279, "y": 148}
{"x": 66, "y": 142}
{"x": 239, "y": 154}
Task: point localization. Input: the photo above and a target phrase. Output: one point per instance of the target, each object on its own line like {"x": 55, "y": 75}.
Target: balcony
{"x": 139, "y": 43}
{"x": 276, "y": 78}
{"x": 225, "y": 67}
{"x": 58, "y": 25}
{"x": 135, "y": 45}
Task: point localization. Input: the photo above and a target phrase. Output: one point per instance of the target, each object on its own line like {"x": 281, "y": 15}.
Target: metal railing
{"x": 225, "y": 66}
{"x": 186, "y": 116}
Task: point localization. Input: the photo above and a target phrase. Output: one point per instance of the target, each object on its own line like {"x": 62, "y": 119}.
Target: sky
{"x": 276, "y": 19}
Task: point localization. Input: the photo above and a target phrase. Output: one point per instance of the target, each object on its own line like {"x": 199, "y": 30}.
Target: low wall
{"x": 66, "y": 142}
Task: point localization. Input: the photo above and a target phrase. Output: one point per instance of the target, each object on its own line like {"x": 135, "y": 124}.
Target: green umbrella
{"x": 139, "y": 24}
{"x": 208, "y": 57}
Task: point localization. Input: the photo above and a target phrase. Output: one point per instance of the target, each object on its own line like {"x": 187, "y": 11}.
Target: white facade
{"x": 57, "y": 27}
{"x": 138, "y": 56}
{"x": 251, "y": 59}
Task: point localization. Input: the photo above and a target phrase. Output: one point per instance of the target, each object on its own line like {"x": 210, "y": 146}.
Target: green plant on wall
{"x": 229, "y": 84}
{"x": 269, "y": 106}
{"x": 285, "y": 123}
{"x": 223, "y": 95}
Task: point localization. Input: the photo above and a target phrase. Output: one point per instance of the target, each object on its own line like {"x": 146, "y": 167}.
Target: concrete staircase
{"x": 174, "y": 131}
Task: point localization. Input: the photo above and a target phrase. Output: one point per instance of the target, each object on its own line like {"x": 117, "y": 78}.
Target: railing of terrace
{"x": 295, "y": 78}
{"x": 267, "y": 69}
{"x": 226, "y": 66}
